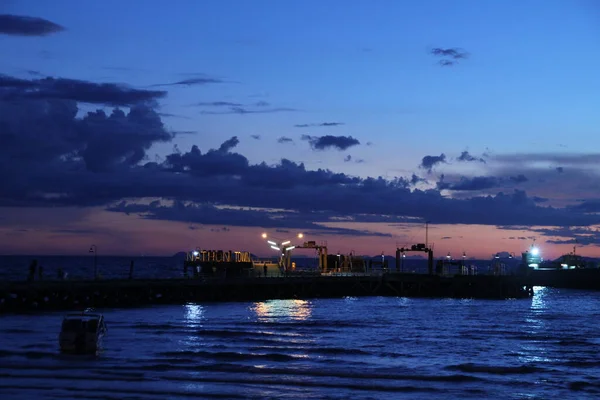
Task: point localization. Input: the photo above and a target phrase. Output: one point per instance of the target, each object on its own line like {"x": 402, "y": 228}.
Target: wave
{"x": 499, "y": 369}
{"x": 16, "y": 330}
{"x": 229, "y": 355}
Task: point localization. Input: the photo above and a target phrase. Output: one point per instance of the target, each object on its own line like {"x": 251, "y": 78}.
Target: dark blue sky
{"x": 457, "y": 100}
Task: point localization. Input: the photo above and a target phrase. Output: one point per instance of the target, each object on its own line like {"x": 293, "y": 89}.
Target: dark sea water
{"x": 546, "y": 347}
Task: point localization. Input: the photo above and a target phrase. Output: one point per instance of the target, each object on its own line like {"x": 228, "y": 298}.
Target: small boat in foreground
{"x": 82, "y": 333}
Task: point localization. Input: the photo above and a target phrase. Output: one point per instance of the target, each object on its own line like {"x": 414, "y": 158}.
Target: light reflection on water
{"x": 296, "y": 310}
{"x": 194, "y": 314}
{"x": 535, "y": 349}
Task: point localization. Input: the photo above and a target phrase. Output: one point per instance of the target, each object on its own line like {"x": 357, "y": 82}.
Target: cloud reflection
{"x": 297, "y": 310}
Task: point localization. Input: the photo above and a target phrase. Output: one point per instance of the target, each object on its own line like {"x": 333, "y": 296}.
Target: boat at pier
{"x": 568, "y": 271}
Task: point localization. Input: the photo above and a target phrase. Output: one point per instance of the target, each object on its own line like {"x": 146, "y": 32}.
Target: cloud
{"x": 588, "y": 206}
{"x": 243, "y": 110}
{"x": 453, "y": 53}
{"x": 450, "y": 56}
{"x": 428, "y": 162}
{"x": 52, "y": 156}
{"x": 317, "y": 125}
{"x": 17, "y": 25}
{"x": 191, "y": 82}
{"x": 328, "y": 141}
{"x": 284, "y": 139}
{"x": 15, "y": 89}
{"x": 255, "y": 137}
{"x": 474, "y": 183}
{"x": 582, "y": 236}
{"x": 218, "y": 104}
{"x": 519, "y": 178}
{"x": 349, "y": 158}
{"x": 55, "y": 137}
{"x": 466, "y": 157}
{"x": 210, "y": 215}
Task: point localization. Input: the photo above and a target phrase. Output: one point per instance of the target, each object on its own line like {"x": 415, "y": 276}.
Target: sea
{"x": 544, "y": 347}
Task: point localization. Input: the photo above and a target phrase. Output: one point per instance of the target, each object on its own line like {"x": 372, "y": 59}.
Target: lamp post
{"x": 284, "y": 246}
{"x": 94, "y": 249}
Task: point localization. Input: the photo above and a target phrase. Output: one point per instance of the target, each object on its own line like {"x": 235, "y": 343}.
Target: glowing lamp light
{"x": 290, "y": 248}
{"x": 275, "y": 248}
{"x": 535, "y": 251}
{"x": 300, "y": 235}
{"x": 195, "y": 253}
{"x": 286, "y": 242}
{"x": 264, "y": 235}
{"x": 271, "y": 242}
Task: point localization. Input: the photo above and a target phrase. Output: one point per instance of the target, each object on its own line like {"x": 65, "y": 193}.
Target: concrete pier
{"x": 18, "y": 297}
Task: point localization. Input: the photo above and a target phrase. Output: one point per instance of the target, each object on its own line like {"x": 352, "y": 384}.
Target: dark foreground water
{"x": 352, "y": 348}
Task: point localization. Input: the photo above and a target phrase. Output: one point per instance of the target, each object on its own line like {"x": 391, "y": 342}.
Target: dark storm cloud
{"x": 51, "y": 157}
{"x": 428, "y": 162}
{"x": 244, "y": 110}
{"x": 15, "y": 89}
{"x": 330, "y": 141}
{"x": 325, "y": 124}
{"x": 18, "y": 25}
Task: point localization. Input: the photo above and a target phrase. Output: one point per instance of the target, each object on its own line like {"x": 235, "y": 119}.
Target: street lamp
{"x": 94, "y": 249}
{"x": 283, "y": 246}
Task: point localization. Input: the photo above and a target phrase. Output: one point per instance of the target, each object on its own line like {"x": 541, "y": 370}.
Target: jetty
{"x": 74, "y": 295}
{"x": 216, "y": 275}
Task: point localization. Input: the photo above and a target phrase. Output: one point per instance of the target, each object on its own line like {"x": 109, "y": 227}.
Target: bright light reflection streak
{"x": 536, "y": 351}
{"x": 299, "y": 310}
{"x": 193, "y": 318}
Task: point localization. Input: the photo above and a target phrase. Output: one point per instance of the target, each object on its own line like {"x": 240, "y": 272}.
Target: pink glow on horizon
{"x": 118, "y": 234}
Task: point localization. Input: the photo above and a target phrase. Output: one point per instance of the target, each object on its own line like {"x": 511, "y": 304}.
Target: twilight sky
{"x": 164, "y": 126}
